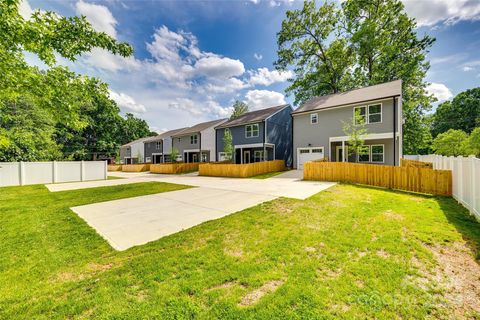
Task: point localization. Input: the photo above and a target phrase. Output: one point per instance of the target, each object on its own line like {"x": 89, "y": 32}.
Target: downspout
{"x": 265, "y": 140}
{"x": 394, "y": 131}
{"x": 291, "y": 138}
{"x": 200, "y": 146}
{"x": 216, "y": 145}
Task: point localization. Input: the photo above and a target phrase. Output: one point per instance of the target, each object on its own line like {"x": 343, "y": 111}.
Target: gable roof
{"x": 199, "y": 127}
{"x": 252, "y": 116}
{"x": 165, "y": 134}
{"x": 376, "y": 92}
{"x": 136, "y": 141}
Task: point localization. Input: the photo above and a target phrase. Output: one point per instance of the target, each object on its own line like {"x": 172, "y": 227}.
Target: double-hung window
{"x": 258, "y": 155}
{"x": 378, "y": 151}
{"x": 251, "y": 130}
{"x": 158, "y": 145}
{"x": 364, "y": 155}
{"x": 375, "y": 113}
{"x": 314, "y": 118}
{"x": 194, "y": 139}
{"x": 368, "y": 114}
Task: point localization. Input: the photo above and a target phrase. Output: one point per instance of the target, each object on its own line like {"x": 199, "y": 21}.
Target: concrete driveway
{"x": 134, "y": 221}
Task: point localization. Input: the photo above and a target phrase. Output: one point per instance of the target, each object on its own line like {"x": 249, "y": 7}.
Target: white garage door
{"x": 308, "y": 154}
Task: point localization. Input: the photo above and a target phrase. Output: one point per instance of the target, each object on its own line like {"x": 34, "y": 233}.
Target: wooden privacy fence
{"x": 240, "y": 170}
{"x": 416, "y": 164}
{"x": 135, "y": 167}
{"x": 437, "y": 182}
{"x": 114, "y": 167}
{"x": 171, "y": 168}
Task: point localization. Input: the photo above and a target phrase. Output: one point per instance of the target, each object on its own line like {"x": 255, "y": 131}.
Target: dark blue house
{"x": 260, "y": 135}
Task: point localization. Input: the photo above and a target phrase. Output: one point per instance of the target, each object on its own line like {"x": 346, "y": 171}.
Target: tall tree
{"x": 228, "y": 146}
{"x": 239, "y": 108}
{"x": 362, "y": 42}
{"x": 462, "y": 113}
{"x": 451, "y": 143}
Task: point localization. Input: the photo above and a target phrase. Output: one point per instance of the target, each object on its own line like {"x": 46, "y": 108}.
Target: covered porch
{"x": 379, "y": 149}
{"x": 196, "y": 155}
{"x": 251, "y": 153}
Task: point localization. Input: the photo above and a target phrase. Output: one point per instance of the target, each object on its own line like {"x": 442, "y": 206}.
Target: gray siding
{"x": 151, "y": 147}
{"x": 238, "y": 135}
{"x": 279, "y": 132}
{"x": 330, "y": 125}
{"x": 183, "y": 143}
{"x": 125, "y": 152}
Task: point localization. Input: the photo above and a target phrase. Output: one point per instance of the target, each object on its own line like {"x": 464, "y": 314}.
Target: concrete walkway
{"x": 134, "y": 221}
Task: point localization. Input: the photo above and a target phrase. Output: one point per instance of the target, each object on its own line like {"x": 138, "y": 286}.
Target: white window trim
{"x": 383, "y": 153}
{"x": 158, "y": 145}
{"x": 194, "y": 137}
{"x": 367, "y": 113}
{"x": 252, "y": 125}
{"x": 381, "y": 112}
{"x": 369, "y": 155}
{"x": 312, "y": 115}
{"x": 261, "y": 157}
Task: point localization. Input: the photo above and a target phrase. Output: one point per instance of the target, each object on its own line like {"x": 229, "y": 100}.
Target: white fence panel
{"x": 23, "y": 173}
{"x": 68, "y": 171}
{"x": 9, "y": 173}
{"x": 95, "y": 170}
{"x": 465, "y": 178}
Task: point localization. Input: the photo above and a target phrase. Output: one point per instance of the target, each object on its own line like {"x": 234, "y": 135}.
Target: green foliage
{"x": 228, "y": 146}
{"x": 462, "y": 113}
{"x": 451, "y": 143}
{"x": 239, "y": 108}
{"x": 174, "y": 155}
{"x": 473, "y": 142}
{"x": 55, "y": 113}
{"x": 360, "y": 43}
{"x": 356, "y": 132}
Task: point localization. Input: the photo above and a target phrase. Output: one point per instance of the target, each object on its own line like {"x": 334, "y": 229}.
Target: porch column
{"x": 343, "y": 150}
{"x": 265, "y": 158}
{"x": 241, "y": 155}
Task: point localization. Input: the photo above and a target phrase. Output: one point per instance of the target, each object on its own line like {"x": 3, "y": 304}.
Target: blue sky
{"x": 194, "y": 58}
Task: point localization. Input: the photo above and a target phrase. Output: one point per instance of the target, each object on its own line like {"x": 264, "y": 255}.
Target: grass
{"x": 267, "y": 175}
{"x": 114, "y": 178}
{"x": 344, "y": 253}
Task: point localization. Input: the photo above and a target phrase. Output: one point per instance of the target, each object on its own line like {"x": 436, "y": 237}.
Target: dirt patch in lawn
{"x": 254, "y": 296}
{"x": 459, "y": 272}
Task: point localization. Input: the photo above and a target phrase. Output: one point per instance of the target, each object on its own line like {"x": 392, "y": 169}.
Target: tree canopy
{"x": 462, "y": 113}
{"x": 55, "y": 113}
{"x": 239, "y": 108}
{"x": 334, "y": 48}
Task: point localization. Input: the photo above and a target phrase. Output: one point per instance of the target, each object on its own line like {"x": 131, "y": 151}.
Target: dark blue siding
{"x": 238, "y": 135}
{"x": 279, "y": 132}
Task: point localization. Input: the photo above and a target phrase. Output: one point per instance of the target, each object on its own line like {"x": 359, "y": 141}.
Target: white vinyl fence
{"x": 466, "y": 178}
{"x": 23, "y": 173}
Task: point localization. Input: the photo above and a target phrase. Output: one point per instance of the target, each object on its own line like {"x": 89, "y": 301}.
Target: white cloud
{"x": 126, "y": 103}
{"x": 99, "y": 16}
{"x": 261, "y": 99}
{"x": 258, "y": 56}
{"x": 198, "y": 109}
{"x": 432, "y": 12}
{"x": 265, "y": 77}
{"x": 25, "y": 9}
{"x": 467, "y": 68}
{"x": 218, "y": 67}
{"x": 471, "y": 65}
{"x": 439, "y": 91}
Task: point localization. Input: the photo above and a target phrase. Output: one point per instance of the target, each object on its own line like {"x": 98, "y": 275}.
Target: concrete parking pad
{"x": 134, "y": 221}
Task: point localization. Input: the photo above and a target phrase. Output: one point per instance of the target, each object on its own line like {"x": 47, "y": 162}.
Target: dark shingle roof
{"x": 252, "y": 116}
{"x": 379, "y": 91}
{"x": 199, "y": 127}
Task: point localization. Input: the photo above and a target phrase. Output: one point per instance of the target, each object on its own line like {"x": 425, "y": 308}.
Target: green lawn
{"x": 114, "y": 178}
{"x": 267, "y": 175}
{"x": 348, "y": 252}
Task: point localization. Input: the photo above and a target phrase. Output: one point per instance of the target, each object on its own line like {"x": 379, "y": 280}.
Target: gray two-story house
{"x": 133, "y": 152}
{"x": 260, "y": 135}
{"x": 197, "y": 143}
{"x": 318, "y": 125}
{"x": 159, "y": 148}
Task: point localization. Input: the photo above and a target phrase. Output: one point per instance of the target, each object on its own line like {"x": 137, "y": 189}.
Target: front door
{"x": 246, "y": 156}
{"x": 339, "y": 154}
{"x": 194, "y": 157}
